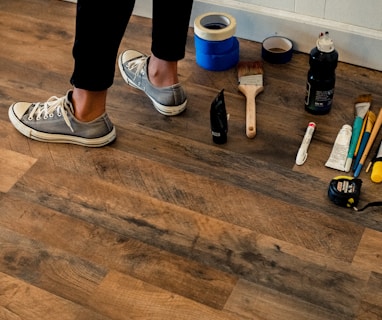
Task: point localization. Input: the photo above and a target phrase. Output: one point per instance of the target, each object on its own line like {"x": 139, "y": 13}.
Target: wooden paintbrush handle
{"x": 250, "y": 116}
{"x": 250, "y": 92}
{"x": 373, "y": 135}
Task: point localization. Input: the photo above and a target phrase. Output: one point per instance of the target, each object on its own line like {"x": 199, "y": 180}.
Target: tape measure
{"x": 345, "y": 191}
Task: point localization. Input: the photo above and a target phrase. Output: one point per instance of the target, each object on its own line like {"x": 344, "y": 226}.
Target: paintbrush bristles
{"x": 247, "y": 68}
{"x": 367, "y": 97}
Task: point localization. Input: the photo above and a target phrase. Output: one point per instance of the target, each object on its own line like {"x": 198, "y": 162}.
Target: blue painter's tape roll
{"x": 215, "y": 56}
{"x": 213, "y": 47}
{"x": 216, "y": 47}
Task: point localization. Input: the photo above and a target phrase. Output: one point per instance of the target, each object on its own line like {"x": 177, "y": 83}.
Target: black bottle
{"x": 321, "y": 80}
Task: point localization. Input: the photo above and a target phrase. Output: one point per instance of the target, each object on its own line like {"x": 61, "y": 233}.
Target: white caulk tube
{"x": 337, "y": 158}
{"x": 302, "y": 153}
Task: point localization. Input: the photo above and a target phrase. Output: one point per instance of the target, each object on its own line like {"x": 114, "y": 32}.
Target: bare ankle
{"x": 88, "y": 105}
{"x": 162, "y": 73}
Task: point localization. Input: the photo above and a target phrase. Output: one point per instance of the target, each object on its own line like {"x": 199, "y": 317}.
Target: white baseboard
{"x": 356, "y": 45}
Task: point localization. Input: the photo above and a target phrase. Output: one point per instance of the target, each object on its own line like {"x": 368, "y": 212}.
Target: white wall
{"x": 354, "y": 26}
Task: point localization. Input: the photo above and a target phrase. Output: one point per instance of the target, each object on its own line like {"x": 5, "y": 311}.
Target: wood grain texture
{"x": 135, "y": 299}
{"x": 12, "y": 166}
{"x": 368, "y": 253}
{"x": 163, "y": 223}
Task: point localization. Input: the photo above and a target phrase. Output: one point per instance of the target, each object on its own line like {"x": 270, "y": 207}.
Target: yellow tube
{"x": 376, "y": 174}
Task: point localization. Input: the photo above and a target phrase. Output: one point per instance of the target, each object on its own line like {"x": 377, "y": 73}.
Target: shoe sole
{"x": 60, "y": 138}
{"x": 165, "y": 110}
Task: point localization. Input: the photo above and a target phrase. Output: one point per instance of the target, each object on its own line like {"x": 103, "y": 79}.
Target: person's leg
{"x": 157, "y": 74}
{"x": 88, "y": 105}
{"x": 79, "y": 117}
{"x": 100, "y": 27}
{"x": 170, "y": 25}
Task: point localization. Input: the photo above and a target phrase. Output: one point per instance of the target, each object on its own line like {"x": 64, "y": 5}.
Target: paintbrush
{"x": 370, "y": 120}
{"x": 250, "y": 76}
{"x": 360, "y": 135}
{"x": 373, "y": 135}
{"x": 361, "y": 105}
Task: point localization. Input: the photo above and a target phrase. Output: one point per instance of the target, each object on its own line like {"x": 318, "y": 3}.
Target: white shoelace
{"x": 137, "y": 64}
{"x": 46, "y": 110}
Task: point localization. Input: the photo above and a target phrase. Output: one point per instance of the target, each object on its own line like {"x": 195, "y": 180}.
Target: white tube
{"x": 337, "y": 158}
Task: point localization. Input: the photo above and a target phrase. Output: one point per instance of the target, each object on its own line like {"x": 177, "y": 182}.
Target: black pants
{"x": 100, "y": 26}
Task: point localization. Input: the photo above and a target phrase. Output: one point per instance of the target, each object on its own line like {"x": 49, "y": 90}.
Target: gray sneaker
{"x": 169, "y": 101}
{"x": 53, "y": 121}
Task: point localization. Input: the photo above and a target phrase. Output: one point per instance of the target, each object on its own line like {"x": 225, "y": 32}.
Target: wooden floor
{"x": 163, "y": 224}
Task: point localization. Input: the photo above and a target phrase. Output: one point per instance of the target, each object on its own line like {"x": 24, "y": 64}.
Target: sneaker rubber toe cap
{"x": 131, "y": 55}
{"x": 20, "y": 108}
